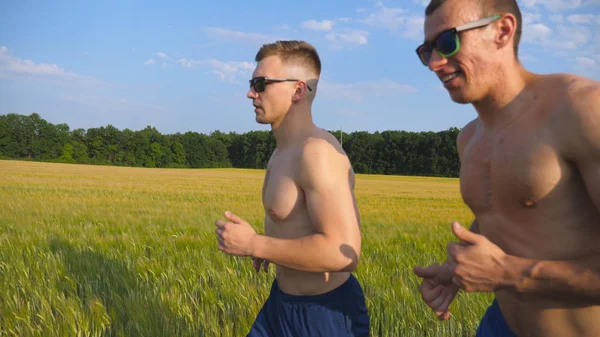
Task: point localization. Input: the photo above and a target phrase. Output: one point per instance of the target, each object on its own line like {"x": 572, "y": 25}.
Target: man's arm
{"x": 576, "y": 279}
{"x": 325, "y": 178}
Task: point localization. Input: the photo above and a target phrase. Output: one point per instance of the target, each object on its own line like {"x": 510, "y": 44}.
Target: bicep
{"x": 584, "y": 144}
{"x": 589, "y": 168}
{"x": 328, "y": 189}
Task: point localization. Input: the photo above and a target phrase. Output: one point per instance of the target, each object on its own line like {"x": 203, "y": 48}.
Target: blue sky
{"x": 184, "y": 66}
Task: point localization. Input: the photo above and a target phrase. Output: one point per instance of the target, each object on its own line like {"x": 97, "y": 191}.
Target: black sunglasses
{"x": 447, "y": 43}
{"x": 259, "y": 84}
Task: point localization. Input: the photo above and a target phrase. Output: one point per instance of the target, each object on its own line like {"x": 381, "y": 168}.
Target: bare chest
{"x": 511, "y": 171}
{"x": 282, "y": 198}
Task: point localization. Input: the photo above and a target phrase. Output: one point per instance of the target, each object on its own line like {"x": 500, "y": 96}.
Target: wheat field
{"x": 115, "y": 251}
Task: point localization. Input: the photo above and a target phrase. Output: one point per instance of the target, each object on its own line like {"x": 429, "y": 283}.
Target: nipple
{"x": 528, "y": 203}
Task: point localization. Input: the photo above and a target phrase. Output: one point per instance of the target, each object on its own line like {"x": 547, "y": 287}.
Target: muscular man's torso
{"x": 286, "y": 216}
{"x": 531, "y": 202}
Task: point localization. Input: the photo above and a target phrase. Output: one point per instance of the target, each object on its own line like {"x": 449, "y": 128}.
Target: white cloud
{"x": 230, "y": 70}
{"x": 423, "y": 3}
{"x": 343, "y": 19}
{"x": 386, "y": 18}
{"x": 16, "y": 65}
{"x": 348, "y": 37}
{"x": 536, "y": 32}
{"x": 360, "y": 92}
{"x": 595, "y": 48}
{"x": 529, "y": 18}
{"x": 586, "y": 66}
{"x": 586, "y": 61}
{"x": 396, "y": 20}
{"x": 325, "y": 25}
{"x": 413, "y": 29}
{"x": 564, "y": 38}
{"x": 162, "y": 55}
{"x": 226, "y": 71}
{"x": 189, "y": 63}
{"x": 557, "y": 18}
{"x": 570, "y": 38}
{"x": 576, "y": 36}
{"x": 552, "y": 5}
{"x": 584, "y": 18}
{"x": 231, "y": 35}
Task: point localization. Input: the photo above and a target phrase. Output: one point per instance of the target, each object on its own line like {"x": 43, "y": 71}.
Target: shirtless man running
{"x": 530, "y": 173}
{"x": 312, "y": 229}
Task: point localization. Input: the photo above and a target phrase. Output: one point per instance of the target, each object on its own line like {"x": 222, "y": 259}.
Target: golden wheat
{"x": 115, "y": 251}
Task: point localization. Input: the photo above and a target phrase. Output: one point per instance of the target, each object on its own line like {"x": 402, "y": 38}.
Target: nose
{"x": 251, "y": 93}
{"x": 436, "y": 61}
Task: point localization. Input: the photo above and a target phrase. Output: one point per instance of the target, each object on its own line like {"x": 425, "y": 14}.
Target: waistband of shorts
{"x": 336, "y": 294}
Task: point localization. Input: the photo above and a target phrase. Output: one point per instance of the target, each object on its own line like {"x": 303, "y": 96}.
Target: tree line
{"x": 390, "y": 152}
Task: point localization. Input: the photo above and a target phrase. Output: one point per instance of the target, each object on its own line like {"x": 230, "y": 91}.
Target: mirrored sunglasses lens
{"x": 446, "y": 43}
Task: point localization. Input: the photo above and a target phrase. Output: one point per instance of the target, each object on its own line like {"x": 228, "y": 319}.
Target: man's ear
{"x": 301, "y": 91}
{"x": 506, "y": 28}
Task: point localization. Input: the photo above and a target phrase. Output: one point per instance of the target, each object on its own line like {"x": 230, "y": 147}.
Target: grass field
{"x": 109, "y": 251}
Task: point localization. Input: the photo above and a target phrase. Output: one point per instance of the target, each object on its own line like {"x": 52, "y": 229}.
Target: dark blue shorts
{"x": 493, "y": 323}
{"x": 341, "y": 312}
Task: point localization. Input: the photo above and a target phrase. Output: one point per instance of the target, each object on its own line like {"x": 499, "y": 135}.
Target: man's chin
{"x": 459, "y": 97}
{"x": 259, "y": 120}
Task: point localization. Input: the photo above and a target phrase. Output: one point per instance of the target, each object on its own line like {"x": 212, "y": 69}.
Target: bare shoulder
{"x": 465, "y": 135}
{"x": 579, "y": 112}
{"x": 322, "y": 157}
{"x": 570, "y": 88}
{"x": 583, "y": 94}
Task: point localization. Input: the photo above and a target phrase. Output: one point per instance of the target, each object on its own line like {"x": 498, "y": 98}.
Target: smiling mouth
{"x": 450, "y": 77}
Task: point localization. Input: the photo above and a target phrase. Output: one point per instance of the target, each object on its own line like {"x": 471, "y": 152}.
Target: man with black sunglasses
{"x": 530, "y": 173}
{"x": 312, "y": 229}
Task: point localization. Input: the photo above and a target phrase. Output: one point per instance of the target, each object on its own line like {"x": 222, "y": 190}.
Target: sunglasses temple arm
{"x": 478, "y": 23}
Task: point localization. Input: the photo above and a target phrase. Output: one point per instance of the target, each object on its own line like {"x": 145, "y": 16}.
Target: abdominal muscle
{"x": 300, "y": 283}
{"x": 297, "y": 282}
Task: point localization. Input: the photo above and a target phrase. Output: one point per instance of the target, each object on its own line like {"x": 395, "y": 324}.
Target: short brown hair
{"x": 292, "y": 51}
{"x": 490, "y": 7}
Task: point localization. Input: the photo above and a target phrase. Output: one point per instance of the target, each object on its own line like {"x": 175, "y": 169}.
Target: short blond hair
{"x": 292, "y": 52}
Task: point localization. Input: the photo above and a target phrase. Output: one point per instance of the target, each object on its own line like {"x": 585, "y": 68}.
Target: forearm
{"x": 313, "y": 253}
{"x": 575, "y": 281}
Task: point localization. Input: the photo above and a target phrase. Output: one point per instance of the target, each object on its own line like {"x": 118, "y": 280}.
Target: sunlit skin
{"x": 311, "y": 222}
{"x": 530, "y": 173}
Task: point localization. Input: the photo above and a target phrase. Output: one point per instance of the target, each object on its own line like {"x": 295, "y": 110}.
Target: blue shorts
{"x": 493, "y": 323}
{"x": 341, "y": 312}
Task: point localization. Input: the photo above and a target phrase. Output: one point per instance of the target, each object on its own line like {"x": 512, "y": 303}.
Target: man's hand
{"x": 478, "y": 265}
{"x": 235, "y": 237}
{"x": 437, "y": 289}
{"x": 257, "y": 263}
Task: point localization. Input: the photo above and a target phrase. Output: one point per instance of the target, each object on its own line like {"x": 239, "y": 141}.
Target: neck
{"x": 294, "y": 127}
{"x": 509, "y": 84}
